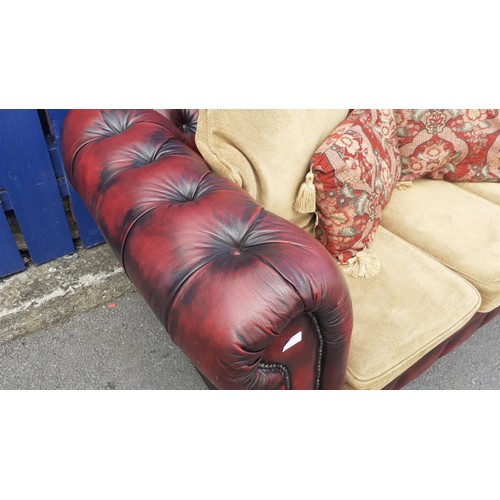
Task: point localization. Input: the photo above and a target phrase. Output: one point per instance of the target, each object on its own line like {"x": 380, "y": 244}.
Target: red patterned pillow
{"x": 450, "y": 144}
{"x": 355, "y": 172}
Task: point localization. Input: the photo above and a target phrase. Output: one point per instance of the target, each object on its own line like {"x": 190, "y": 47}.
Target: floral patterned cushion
{"x": 450, "y": 144}
{"x": 355, "y": 171}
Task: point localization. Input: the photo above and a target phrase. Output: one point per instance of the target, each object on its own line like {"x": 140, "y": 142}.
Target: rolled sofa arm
{"x": 252, "y": 300}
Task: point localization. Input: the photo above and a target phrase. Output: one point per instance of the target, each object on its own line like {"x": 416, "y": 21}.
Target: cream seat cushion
{"x": 266, "y": 151}
{"x": 455, "y": 226}
{"x": 488, "y": 190}
{"x": 410, "y": 307}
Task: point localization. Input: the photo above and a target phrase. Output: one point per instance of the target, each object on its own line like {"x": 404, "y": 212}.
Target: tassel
{"x": 404, "y": 185}
{"x": 364, "y": 264}
{"x": 306, "y": 199}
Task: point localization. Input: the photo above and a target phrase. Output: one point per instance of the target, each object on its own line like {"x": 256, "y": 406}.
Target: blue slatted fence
{"x": 33, "y": 189}
{"x": 87, "y": 228}
{"x": 10, "y": 259}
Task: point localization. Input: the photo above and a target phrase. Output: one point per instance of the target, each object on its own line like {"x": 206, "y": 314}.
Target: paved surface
{"x": 473, "y": 365}
{"x": 47, "y": 294}
{"x": 125, "y": 347}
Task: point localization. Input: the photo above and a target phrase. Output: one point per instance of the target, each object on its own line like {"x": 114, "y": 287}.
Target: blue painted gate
{"x": 34, "y": 192}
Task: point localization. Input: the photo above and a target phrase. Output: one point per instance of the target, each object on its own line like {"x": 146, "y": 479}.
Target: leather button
{"x": 236, "y": 251}
{"x": 114, "y": 122}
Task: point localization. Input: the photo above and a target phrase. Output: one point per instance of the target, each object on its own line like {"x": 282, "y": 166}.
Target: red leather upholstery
{"x": 231, "y": 282}
{"x": 185, "y": 120}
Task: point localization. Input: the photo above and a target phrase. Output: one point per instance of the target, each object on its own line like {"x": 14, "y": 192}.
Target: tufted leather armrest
{"x": 252, "y": 300}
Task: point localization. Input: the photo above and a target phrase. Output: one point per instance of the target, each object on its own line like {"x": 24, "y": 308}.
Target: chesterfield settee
{"x": 254, "y": 301}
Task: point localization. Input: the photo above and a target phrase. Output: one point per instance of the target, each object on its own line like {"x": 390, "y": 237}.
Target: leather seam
{"x": 317, "y": 329}
{"x": 290, "y": 284}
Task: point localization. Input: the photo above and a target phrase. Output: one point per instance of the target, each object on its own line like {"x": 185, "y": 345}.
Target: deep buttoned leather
{"x": 231, "y": 282}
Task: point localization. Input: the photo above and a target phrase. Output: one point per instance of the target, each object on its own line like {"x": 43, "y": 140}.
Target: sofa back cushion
{"x": 449, "y": 144}
{"x": 266, "y": 151}
{"x": 488, "y": 190}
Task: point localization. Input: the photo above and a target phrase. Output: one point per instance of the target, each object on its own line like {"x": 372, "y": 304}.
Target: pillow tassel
{"x": 364, "y": 264}
{"x": 404, "y": 185}
{"x": 306, "y": 199}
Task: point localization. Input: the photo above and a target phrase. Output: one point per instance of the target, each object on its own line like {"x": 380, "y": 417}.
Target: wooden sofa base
{"x": 477, "y": 321}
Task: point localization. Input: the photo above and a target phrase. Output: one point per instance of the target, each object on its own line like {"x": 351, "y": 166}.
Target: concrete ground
{"x": 96, "y": 333}
{"x": 47, "y": 294}
{"x": 122, "y": 346}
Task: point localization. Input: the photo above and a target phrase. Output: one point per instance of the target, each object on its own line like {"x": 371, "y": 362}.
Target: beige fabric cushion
{"x": 410, "y": 307}
{"x": 488, "y": 190}
{"x": 458, "y": 228}
{"x": 266, "y": 151}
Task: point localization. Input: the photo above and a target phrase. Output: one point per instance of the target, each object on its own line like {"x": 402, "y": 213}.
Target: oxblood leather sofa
{"x": 252, "y": 300}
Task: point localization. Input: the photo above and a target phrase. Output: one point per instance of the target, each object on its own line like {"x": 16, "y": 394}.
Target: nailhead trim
{"x": 284, "y": 370}
{"x": 278, "y": 367}
{"x": 320, "y": 349}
